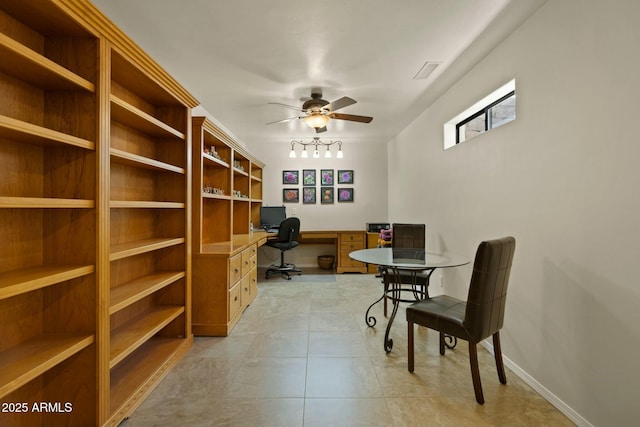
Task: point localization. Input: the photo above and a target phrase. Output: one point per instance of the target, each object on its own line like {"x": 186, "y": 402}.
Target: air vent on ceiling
{"x": 428, "y": 68}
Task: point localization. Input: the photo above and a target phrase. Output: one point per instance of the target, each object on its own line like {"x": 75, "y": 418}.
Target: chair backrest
{"x": 484, "y": 314}
{"x": 289, "y": 229}
{"x": 408, "y": 236}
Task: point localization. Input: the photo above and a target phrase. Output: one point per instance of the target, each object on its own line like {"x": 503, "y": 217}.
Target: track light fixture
{"x": 316, "y": 142}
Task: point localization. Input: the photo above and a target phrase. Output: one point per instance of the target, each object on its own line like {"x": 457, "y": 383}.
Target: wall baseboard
{"x": 578, "y": 419}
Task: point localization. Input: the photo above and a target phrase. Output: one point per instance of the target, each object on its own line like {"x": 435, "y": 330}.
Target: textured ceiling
{"x": 236, "y": 56}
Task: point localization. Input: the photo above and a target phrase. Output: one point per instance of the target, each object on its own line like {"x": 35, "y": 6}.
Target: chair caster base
{"x": 285, "y": 271}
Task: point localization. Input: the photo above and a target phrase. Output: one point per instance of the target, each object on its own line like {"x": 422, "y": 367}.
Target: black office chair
{"x": 407, "y": 236}
{"x": 477, "y": 318}
{"x": 287, "y": 239}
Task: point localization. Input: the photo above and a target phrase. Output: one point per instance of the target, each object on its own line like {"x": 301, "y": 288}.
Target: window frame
{"x": 450, "y": 131}
{"x": 486, "y": 111}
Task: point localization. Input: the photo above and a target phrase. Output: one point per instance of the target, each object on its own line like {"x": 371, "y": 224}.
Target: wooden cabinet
{"x": 227, "y": 195}
{"x": 95, "y": 213}
{"x": 349, "y": 241}
{"x": 224, "y": 285}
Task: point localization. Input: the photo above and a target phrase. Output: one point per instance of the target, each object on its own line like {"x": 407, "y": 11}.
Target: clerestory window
{"x": 492, "y": 111}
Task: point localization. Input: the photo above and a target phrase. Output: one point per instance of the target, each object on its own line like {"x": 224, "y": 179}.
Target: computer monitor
{"x": 272, "y": 216}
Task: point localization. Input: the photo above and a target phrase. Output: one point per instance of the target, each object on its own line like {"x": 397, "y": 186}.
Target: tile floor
{"x": 302, "y": 356}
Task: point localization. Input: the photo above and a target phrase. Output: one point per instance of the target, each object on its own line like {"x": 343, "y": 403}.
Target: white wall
{"x": 563, "y": 180}
{"x": 369, "y": 163}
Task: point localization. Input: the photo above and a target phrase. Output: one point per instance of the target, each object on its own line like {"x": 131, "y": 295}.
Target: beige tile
{"x": 233, "y": 346}
{"x": 368, "y": 412}
{"x": 342, "y": 377}
{"x": 210, "y": 412}
{"x": 279, "y": 344}
{"x": 199, "y": 378}
{"x": 336, "y": 321}
{"x": 337, "y": 344}
{"x": 284, "y": 412}
{"x": 302, "y": 355}
{"x": 270, "y": 377}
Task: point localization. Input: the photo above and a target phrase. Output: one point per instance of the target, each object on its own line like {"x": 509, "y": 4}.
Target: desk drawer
{"x": 235, "y": 269}
{"x": 351, "y": 237}
{"x": 249, "y": 257}
{"x": 253, "y": 282}
{"x": 235, "y": 300}
{"x": 351, "y": 246}
{"x": 245, "y": 284}
{"x": 346, "y": 261}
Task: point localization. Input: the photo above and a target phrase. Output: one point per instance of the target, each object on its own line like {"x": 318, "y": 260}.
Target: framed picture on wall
{"x": 326, "y": 176}
{"x": 290, "y": 177}
{"x": 308, "y": 177}
{"x": 290, "y": 195}
{"x": 326, "y": 195}
{"x": 345, "y": 194}
{"x": 309, "y": 195}
{"x": 345, "y": 176}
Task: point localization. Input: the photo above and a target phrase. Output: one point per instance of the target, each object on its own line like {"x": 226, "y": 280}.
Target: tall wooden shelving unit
{"x": 95, "y": 216}
{"x": 149, "y": 234}
{"x": 227, "y": 195}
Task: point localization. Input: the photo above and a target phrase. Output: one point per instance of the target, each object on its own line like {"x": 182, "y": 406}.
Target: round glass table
{"x": 400, "y": 264}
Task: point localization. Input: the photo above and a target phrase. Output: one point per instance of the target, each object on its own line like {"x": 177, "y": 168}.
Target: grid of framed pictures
{"x": 310, "y": 178}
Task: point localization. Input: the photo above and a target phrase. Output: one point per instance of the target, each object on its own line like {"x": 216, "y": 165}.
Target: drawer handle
{"x": 236, "y": 270}
{"x": 236, "y": 298}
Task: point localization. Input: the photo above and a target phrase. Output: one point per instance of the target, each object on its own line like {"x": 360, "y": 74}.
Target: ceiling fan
{"x": 318, "y": 112}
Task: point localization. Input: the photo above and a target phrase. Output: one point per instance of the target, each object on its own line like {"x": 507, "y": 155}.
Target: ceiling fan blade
{"x": 283, "y": 120}
{"x": 322, "y": 129}
{"x": 286, "y": 106}
{"x": 345, "y": 101}
{"x": 351, "y": 117}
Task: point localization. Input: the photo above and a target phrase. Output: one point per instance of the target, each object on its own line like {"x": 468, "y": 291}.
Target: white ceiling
{"x": 235, "y": 56}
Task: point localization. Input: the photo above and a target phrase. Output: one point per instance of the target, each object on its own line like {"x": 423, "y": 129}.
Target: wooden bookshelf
{"x": 149, "y": 215}
{"x": 95, "y": 215}
{"x": 48, "y": 139}
{"x": 227, "y": 195}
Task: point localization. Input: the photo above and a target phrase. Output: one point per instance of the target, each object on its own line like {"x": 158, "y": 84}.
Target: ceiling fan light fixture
{"x": 316, "y": 120}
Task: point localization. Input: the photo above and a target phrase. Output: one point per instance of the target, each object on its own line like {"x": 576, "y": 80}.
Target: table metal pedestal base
{"x": 394, "y": 293}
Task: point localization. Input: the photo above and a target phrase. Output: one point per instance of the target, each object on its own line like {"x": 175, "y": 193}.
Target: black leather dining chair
{"x": 477, "y": 318}
{"x": 287, "y": 239}
{"x": 406, "y": 236}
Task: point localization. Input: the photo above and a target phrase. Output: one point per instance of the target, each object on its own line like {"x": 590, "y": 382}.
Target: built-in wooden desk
{"x": 225, "y": 279}
{"x": 224, "y": 282}
{"x": 346, "y": 241}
